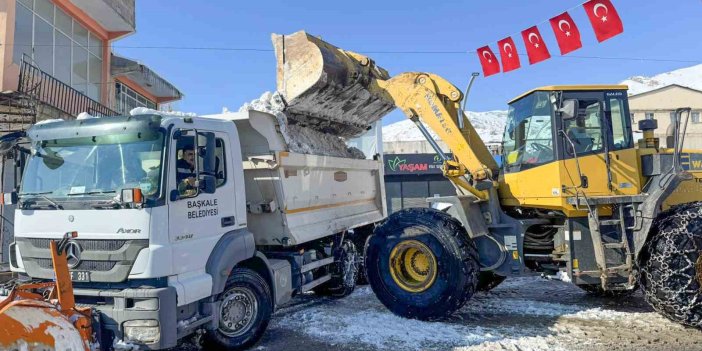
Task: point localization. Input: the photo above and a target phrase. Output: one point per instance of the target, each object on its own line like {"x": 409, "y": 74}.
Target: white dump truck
{"x": 212, "y": 254}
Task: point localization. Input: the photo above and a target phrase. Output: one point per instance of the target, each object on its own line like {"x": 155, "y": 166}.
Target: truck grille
{"x": 88, "y": 245}
{"x": 94, "y": 266}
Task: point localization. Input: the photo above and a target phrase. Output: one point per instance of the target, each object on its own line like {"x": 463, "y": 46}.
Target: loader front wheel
{"x": 671, "y": 265}
{"x": 422, "y": 264}
{"x": 244, "y": 309}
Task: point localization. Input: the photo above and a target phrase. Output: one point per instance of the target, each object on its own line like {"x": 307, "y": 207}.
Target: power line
{"x": 393, "y": 52}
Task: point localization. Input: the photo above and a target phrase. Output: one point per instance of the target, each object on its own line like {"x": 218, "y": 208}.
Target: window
{"x": 528, "y": 139}
{"x": 650, "y": 115}
{"x": 190, "y": 163}
{"x": 585, "y": 130}
{"x": 695, "y": 117}
{"x": 59, "y": 46}
{"x": 126, "y": 99}
{"x": 621, "y": 128}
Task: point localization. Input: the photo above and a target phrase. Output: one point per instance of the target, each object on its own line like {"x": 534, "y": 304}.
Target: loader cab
{"x": 568, "y": 138}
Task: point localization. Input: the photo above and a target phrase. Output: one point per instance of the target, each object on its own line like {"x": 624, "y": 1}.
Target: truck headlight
{"x": 142, "y": 331}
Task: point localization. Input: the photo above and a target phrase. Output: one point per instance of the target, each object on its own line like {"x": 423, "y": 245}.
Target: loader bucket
{"x": 327, "y": 88}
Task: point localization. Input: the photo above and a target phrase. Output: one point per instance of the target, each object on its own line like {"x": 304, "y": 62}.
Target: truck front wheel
{"x": 422, "y": 264}
{"x": 244, "y": 309}
{"x": 671, "y": 265}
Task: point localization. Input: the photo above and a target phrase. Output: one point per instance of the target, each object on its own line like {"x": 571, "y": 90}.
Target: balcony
{"x": 113, "y": 15}
{"x": 45, "y": 89}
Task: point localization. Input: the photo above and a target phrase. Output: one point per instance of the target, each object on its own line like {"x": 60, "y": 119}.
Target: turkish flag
{"x": 566, "y": 32}
{"x": 536, "y": 48}
{"x": 508, "y": 54}
{"x": 489, "y": 61}
{"x": 604, "y": 19}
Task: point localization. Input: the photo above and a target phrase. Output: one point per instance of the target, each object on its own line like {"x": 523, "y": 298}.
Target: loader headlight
{"x": 142, "y": 331}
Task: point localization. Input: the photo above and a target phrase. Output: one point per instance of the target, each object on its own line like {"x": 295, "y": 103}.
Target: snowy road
{"x": 521, "y": 314}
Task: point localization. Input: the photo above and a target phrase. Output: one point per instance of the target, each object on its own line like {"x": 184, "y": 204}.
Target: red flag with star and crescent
{"x": 508, "y": 55}
{"x": 604, "y": 19}
{"x": 567, "y": 33}
{"x": 536, "y": 48}
{"x": 489, "y": 61}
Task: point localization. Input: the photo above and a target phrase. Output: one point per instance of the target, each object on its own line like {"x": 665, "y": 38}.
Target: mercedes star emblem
{"x": 73, "y": 252}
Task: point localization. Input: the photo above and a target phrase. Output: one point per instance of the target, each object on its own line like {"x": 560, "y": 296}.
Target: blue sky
{"x": 211, "y": 79}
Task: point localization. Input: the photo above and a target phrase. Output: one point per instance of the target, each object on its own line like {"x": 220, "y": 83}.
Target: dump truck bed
{"x": 295, "y": 198}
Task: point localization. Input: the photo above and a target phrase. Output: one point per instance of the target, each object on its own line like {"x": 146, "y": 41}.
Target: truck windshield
{"x": 528, "y": 139}
{"x": 99, "y": 166}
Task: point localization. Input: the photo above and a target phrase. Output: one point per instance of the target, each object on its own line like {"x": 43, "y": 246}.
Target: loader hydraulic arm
{"x": 436, "y": 102}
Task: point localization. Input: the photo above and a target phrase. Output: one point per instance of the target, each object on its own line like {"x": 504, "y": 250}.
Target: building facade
{"x": 660, "y": 104}
{"x": 56, "y": 61}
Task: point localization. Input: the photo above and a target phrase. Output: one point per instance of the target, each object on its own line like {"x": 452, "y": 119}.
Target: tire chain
{"x": 669, "y": 260}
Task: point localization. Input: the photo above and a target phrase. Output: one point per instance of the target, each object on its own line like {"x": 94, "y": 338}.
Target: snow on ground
{"x": 489, "y": 125}
{"x": 521, "y": 314}
{"x": 689, "y": 77}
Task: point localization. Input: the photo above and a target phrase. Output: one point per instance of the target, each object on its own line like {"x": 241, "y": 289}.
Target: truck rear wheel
{"x": 244, "y": 310}
{"x": 344, "y": 272}
{"x": 671, "y": 265}
{"x": 421, "y": 264}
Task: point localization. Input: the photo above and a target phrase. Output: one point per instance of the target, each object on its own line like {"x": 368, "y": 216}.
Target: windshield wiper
{"x": 94, "y": 192}
{"x": 42, "y": 195}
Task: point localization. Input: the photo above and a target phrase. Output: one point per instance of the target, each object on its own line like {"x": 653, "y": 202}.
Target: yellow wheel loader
{"x": 576, "y": 196}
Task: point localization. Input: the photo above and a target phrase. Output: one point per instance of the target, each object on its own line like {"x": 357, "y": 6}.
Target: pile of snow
{"x": 147, "y": 111}
{"x": 690, "y": 77}
{"x": 489, "y": 125}
{"x": 301, "y": 139}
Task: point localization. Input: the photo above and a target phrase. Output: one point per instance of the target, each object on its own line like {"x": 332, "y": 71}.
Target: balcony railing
{"x": 48, "y": 90}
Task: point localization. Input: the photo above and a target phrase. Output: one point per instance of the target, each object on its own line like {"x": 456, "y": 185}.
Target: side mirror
{"x": 9, "y": 141}
{"x": 208, "y": 183}
{"x": 209, "y": 159}
{"x": 569, "y": 109}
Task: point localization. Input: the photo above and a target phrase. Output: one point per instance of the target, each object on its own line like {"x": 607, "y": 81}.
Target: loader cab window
{"x": 585, "y": 130}
{"x": 528, "y": 138}
{"x": 622, "y": 135}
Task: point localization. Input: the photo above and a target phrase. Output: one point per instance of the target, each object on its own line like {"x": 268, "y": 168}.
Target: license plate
{"x": 80, "y": 276}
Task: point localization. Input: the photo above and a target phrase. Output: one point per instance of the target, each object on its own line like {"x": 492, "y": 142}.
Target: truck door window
{"x": 187, "y": 169}
{"x": 585, "y": 130}
{"x": 220, "y": 162}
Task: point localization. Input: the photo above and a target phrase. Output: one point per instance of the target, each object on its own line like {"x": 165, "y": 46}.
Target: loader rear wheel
{"x": 671, "y": 265}
{"x": 421, "y": 264}
{"x": 244, "y": 309}
{"x": 344, "y": 272}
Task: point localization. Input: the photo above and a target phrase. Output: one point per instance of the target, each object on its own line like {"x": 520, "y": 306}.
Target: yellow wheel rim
{"x": 413, "y": 266}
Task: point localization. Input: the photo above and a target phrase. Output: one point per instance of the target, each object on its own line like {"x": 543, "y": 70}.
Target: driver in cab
{"x": 185, "y": 172}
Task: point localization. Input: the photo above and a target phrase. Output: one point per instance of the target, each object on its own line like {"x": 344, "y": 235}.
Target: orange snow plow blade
{"x": 43, "y": 316}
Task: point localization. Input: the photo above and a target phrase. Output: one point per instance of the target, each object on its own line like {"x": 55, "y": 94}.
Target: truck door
{"x": 197, "y": 219}
{"x": 588, "y": 138}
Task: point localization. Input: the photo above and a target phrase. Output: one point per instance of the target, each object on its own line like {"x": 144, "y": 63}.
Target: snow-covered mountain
{"x": 690, "y": 77}
{"x": 490, "y": 125}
